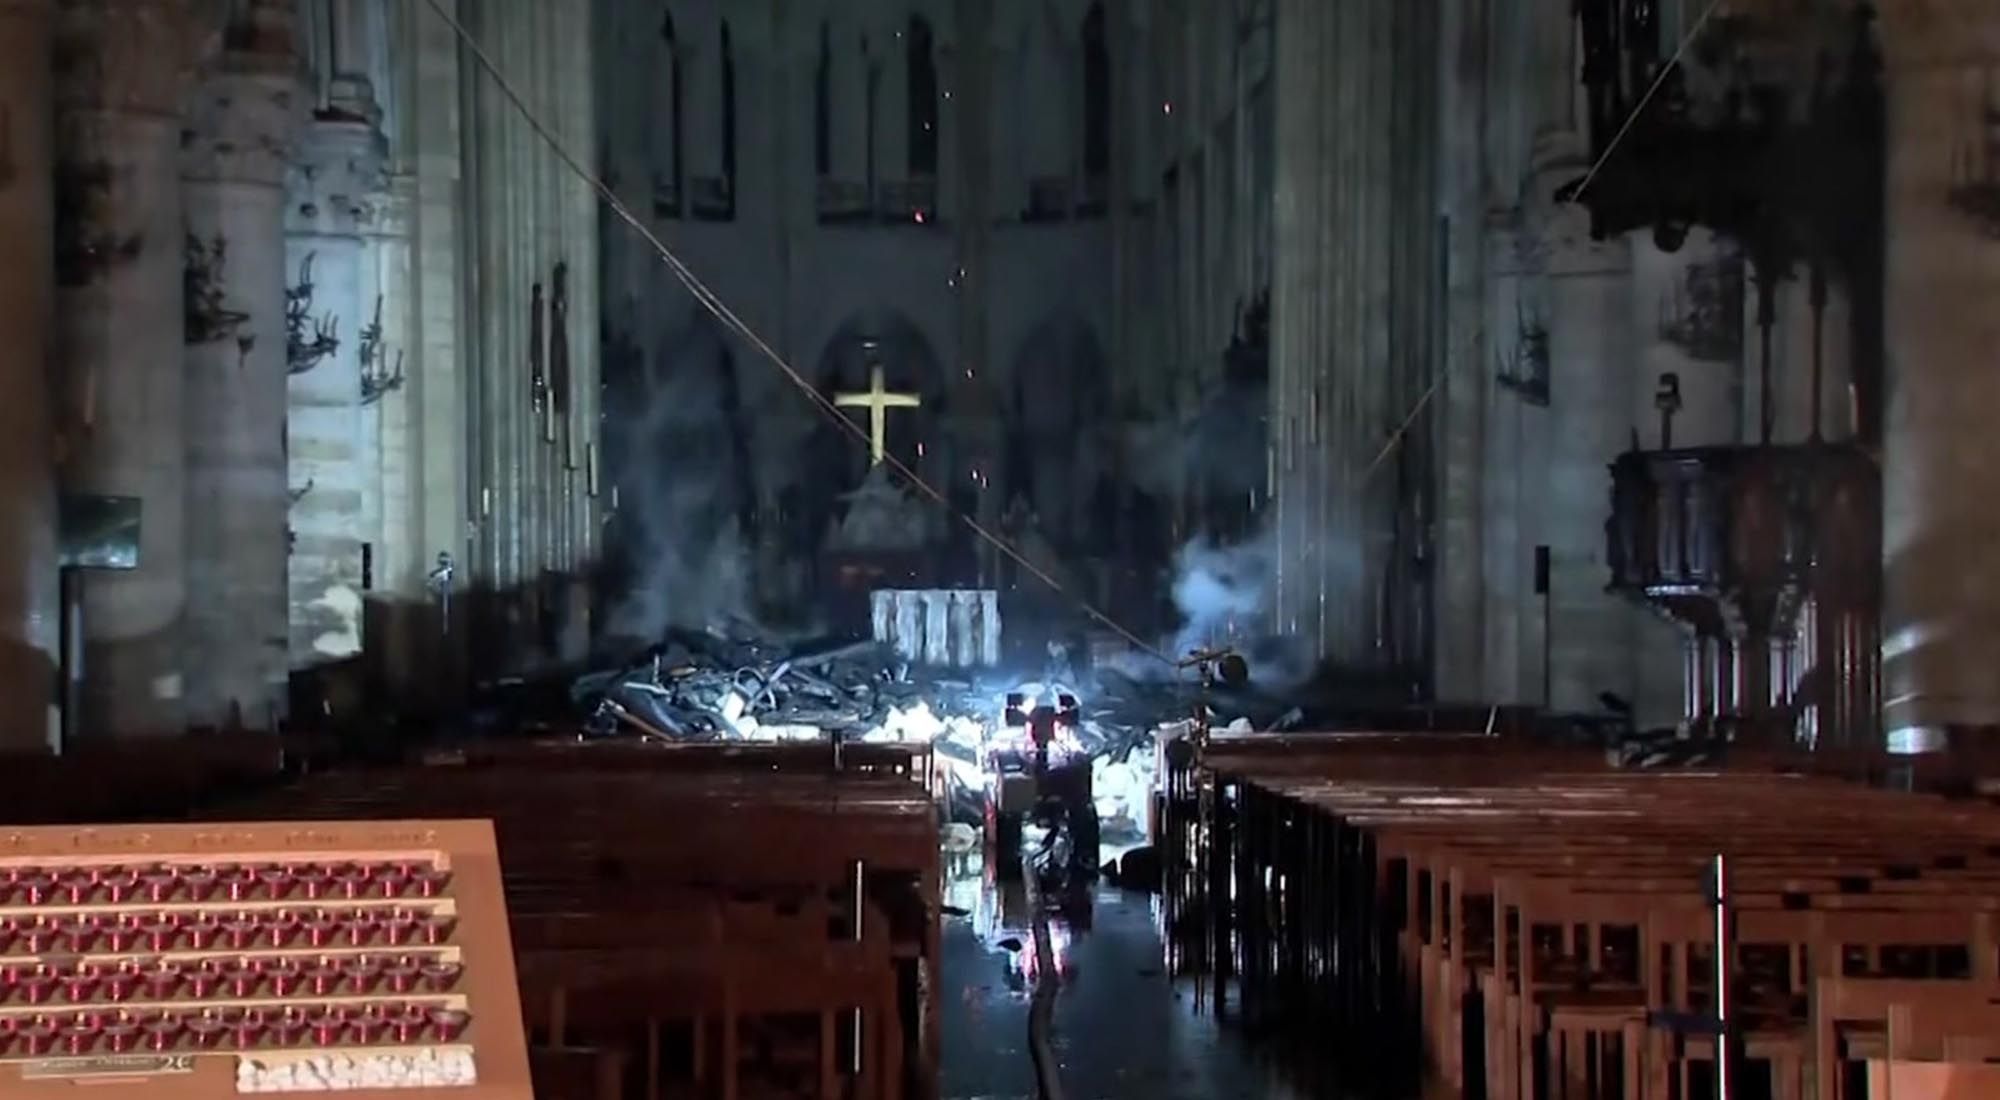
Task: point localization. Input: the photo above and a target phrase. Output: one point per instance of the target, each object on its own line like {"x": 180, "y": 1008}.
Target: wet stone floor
{"x": 1121, "y": 1028}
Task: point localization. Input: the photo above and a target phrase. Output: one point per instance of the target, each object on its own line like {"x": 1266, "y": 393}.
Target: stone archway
{"x": 834, "y": 462}
{"x": 1057, "y": 403}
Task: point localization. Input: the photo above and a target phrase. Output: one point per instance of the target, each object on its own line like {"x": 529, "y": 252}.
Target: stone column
{"x": 235, "y": 156}
{"x": 1940, "y": 467}
{"x": 335, "y": 179}
{"x": 1589, "y": 288}
{"x": 28, "y": 578}
{"x": 119, "y": 254}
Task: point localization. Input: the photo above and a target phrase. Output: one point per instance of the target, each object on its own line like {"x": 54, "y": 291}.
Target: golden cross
{"x": 878, "y": 401}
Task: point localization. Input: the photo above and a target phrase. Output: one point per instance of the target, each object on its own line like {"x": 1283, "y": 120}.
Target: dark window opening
{"x": 1096, "y": 94}
{"x": 823, "y": 105}
{"x": 923, "y": 93}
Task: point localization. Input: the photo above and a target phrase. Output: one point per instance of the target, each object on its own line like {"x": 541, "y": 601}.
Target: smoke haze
{"x": 688, "y": 563}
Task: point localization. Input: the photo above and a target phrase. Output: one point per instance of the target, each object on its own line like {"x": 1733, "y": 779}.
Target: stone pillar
{"x": 28, "y": 577}
{"x": 1589, "y": 289}
{"x": 119, "y": 255}
{"x": 336, "y": 178}
{"x": 235, "y": 157}
{"x": 1940, "y": 467}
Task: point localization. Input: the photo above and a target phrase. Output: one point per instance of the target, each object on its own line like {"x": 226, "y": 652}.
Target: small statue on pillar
{"x": 1667, "y": 399}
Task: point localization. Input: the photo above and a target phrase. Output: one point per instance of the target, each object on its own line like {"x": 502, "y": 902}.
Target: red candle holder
{"x": 159, "y": 884}
{"x": 447, "y": 1024}
{"x": 38, "y": 985}
{"x": 123, "y": 931}
{"x": 439, "y": 927}
{"x": 311, "y": 880}
{"x": 119, "y": 884}
{"x": 35, "y": 887}
{"x": 79, "y": 933}
{"x": 40, "y": 936}
{"x": 353, "y": 880}
{"x": 201, "y": 930}
{"x": 81, "y": 1033}
{"x": 9, "y": 1028}
{"x": 326, "y": 1025}
{"x": 207, "y": 1030}
{"x": 80, "y": 983}
{"x": 441, "y": 976}
{"x": 163, "y": 1031}
{"x": 239, "y": 883}
{"x": 242, "y": 931}
{"x": 321, "y": 928}
{"x": 391, "y": 881}
{"x": 288, "y": 1026}
{"x": 248, "y": 1028}
{"x": 121, "y": 1033}
{"x": 363, "y": 974}
{"x": 399, "y": 927}
{"x": 76, "y": 886}
{"x": 432, "y": 881}
{"x": 119, "y": 984}
{"x": 284, "y": 975}
{"x": 401, "y": 975}
{"x": 10, "y": 930}
{"x": 162, "y": 979}
{"x": 324, "y": 978}
{"x": 242, "y": 977}
{"x": 203, "y": 978}
{"x": 407, "y": 1026}
{"x": 199, "y": 882}
{"x": 161, "y": 931}
{"x": 277, "y": 881}
{"x": 360, "y": 927}
{"x": 366, "y": 1029}
{"x": 38, "y": 1036}
{"x": 281, "y": 927}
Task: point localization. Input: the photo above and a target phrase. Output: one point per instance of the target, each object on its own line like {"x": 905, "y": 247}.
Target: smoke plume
{"x": 688, "y": 563}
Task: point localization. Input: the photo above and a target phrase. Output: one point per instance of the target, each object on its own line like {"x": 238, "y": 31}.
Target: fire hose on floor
{"x": 1042, "y": 1009}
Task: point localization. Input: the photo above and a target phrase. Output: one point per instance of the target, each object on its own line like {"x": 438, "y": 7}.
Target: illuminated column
{"x": 28, "y": 599}
{"x": 118, "y": 268}
{"x": 235, "y": 157}
{"x": 334, "y": 185}
{"x": 1940, "y": 463}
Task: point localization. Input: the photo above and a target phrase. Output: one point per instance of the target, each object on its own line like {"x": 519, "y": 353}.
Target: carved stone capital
{"x": 122, "y": 56}
{"x": 337, "y": 181}
{"x": 241, "y": 128}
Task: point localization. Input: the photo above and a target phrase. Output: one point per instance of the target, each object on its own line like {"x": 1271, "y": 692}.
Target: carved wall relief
{"x": 377, "y": 378}
{"x": 1975, "y": 169}
{"x": 1703, "y": 313}
{"x": 208, "y": 316}
{"x": 303, "y": 352}
{"x": 1525, "y": 368}
{"x": 87, "y": 245}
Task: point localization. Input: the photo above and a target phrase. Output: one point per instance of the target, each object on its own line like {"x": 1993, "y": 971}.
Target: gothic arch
{"x": 833, "y": 461}
{"x": 920, "y": 58}
{"x": 665, "y": 114}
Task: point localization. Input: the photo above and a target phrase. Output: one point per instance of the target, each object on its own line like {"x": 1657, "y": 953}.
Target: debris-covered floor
{"x": 1122, "y": 1029}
